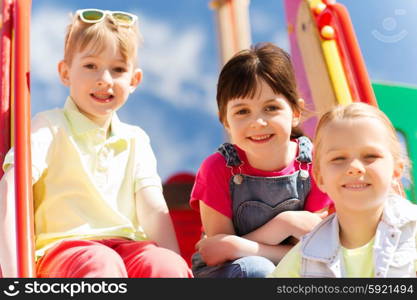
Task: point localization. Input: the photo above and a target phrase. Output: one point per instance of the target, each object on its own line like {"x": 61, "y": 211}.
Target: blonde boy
{"x": 99, "y": 207}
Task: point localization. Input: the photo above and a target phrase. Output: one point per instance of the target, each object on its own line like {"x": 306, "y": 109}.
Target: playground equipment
{"x": 16, "y": 18}
{"x": 232, "y": 18}
{"x": 393, "y": 99}
{"x": 330, "y": 70}
{"x": 329, "y": 67}
{"x": 328, "y": 62}
{"x": 187, "y": 223}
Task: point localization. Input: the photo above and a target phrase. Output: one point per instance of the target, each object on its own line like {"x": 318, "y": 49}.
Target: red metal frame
{"x": 356, "y": 60}
{"x": 23, "y": 172}
{"x": 337, "y": 16}
{"x": 5, "y": 57}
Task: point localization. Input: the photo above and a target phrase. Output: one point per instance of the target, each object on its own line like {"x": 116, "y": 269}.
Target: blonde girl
{"x": 358, "y": 161}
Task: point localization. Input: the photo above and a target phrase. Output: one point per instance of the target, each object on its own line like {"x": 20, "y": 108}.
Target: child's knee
{"x": 102, "y": 261}
{"x": 256, "y": 266}
{"x": 81, "y": 259}
{"x": 162, "y": 262}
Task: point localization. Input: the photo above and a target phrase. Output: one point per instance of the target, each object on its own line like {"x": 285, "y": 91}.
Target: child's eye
{"x": 242, "y": 111}
{"x": 371, "y": 156}
{"x": 271, "y": 108}
{"x": 90, "y": 66}
{"x": 119, "y": 70}
{"x": 338, "y": 159}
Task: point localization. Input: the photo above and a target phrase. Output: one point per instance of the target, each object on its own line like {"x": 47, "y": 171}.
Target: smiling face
{"x": 261, "y": 126}
{"x": 356, "y": 166}
{"x": 99, "y": 82}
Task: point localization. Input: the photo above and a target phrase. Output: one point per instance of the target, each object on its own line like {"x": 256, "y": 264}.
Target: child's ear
{"x": 63, "y": 70}
{"x": 224, "y": 123}
{"x": 136, "y": 79}
{"x": 319, "y": 183}
{"x": 398, "y": 170}
{"x": 297, "y": 113}
{"x": 227, "y": 128}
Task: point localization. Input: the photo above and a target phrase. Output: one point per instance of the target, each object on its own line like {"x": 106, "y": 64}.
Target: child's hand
{"x": 304, "y": 221}
{"x": 217, "y": 249}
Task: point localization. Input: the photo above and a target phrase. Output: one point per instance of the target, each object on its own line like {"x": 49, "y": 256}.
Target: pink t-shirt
{"x": 212, "y": 184}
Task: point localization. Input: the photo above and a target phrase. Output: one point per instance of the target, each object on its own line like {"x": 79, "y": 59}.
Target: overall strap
{"x": 305, "y": 150}
{"x": 229, "y": 152}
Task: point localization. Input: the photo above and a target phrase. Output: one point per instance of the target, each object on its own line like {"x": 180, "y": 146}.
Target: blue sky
{"x": 175, "y": 103}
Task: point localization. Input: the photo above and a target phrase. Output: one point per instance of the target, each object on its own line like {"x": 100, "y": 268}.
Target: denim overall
{"x": 255, "y": 201}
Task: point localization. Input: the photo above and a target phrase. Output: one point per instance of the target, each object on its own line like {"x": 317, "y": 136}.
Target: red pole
{"x": 5, "y": 57}
{"x": 23, "y": 174}
{"x": 363, "y": 83}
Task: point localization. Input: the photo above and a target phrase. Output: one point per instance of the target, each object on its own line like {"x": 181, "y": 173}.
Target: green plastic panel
{"x": 399, "y": 103}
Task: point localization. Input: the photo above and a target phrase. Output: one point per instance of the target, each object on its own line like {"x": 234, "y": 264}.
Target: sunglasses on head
{"x": 93, "y": 15}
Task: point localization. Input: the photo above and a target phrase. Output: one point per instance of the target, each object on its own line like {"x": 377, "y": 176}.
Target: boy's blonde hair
{"x": 355, "y": 111}
{"x": 79, "y": 35}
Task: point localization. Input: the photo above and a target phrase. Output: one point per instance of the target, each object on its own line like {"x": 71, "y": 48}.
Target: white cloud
{"x": 264, "y": 23}
{"x": 47, "y": 39}
{"x": 172, "y": 59}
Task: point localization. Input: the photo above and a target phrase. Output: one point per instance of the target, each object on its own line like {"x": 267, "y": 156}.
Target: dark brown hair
{"x": 241, "y": 76}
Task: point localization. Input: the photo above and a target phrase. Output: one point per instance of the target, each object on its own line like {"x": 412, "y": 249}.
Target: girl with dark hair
{"x": 256, "y": 195}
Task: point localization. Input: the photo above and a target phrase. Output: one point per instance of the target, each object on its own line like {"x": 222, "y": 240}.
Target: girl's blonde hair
{"x": 79, "y": 35}
{"x": 355, "y": 111}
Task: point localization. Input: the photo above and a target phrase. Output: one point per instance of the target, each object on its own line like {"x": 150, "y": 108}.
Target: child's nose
{"x": 259, "y": 122}
{"x": 104, "y": 79}
{"x": 356, "y": 168}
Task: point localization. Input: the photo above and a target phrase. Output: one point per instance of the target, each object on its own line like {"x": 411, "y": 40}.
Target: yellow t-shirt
{"x": 290, "y": 264}
{"x": 358, "y": 262}
{"x": 85, "y": 182}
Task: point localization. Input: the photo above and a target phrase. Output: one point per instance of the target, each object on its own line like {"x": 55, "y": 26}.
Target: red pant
{"x": 111, "y": 258}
